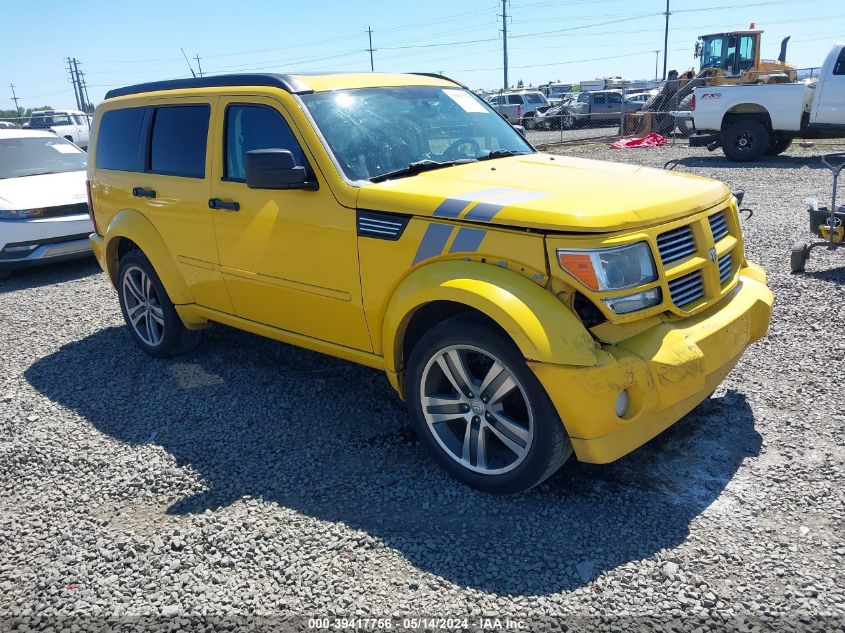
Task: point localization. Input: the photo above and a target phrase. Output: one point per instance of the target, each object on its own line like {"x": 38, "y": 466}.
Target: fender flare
{"x": 135, "y": 226}
{"x": 540, "y": 325}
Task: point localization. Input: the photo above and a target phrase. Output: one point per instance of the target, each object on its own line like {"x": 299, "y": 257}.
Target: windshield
{"x": 49, "y": 120}
{"x": 375, "y": 131}
{"x": 29, "y": 156}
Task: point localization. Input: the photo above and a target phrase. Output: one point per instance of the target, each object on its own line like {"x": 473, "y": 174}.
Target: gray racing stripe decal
{"x": 433, "y": 241}
{"x": 467, "y": 240}
{"x": 452, "y": 206}
{"x": 485, "y": 211}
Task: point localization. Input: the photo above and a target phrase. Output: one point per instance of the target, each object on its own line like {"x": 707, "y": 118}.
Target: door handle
{"x": 227, "y": 205}
{"x": 143, "y": 192}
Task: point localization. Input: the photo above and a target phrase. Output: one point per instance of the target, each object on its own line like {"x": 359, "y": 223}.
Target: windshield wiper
{"x": 420, "y": 166}
{"x": 501, "y": 153}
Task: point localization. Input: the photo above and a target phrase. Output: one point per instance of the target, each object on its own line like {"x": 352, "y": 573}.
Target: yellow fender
{"x": 542, "y": 327}
{"x": 136, "y": 227}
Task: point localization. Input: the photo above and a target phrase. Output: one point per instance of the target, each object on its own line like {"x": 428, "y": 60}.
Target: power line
{"x": 199, "y": 66}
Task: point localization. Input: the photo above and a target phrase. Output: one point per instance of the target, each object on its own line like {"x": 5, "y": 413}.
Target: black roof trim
{"x": 274, "y": 80}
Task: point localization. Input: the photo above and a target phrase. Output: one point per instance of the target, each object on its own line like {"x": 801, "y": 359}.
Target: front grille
{"x": 718, "y": 226}
{"x": 725, "y": 267}
{"x": 687, "y": 289}
{"x": 675, "y": 244}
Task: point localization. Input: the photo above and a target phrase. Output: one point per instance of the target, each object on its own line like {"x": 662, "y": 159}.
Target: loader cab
{"x": 732, "y": 53}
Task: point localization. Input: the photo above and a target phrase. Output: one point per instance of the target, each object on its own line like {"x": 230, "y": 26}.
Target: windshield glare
{"x": 39, "y": 155}
{"x": 375, "y": 131}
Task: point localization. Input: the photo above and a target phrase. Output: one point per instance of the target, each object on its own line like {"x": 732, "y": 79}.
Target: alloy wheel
{"x": 143, "y": 306}
{"x": 476, "y": 409}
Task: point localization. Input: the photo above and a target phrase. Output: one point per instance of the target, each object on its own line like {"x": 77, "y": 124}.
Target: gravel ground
{"x": 254, "y": 480}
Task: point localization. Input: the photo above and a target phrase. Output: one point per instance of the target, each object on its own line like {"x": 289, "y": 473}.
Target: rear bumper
{"x": 667, "y": 371}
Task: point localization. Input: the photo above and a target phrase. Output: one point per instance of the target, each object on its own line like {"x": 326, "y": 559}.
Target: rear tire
{"x": 745, "y": 140}
{"x": 147, "y": 310}
{"x": 500, "y": 433}
{"x": 778, "y": 146}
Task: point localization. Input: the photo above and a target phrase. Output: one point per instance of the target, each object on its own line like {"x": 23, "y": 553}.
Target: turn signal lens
{"x": 580, "y": 266}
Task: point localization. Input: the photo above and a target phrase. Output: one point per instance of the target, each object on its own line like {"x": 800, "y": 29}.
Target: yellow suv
{"x": 524, "y": 305}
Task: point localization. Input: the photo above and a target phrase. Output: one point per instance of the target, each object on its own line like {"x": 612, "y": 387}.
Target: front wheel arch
{"x": 537, "y": 322}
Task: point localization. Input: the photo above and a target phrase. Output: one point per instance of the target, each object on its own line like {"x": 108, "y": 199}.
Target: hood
{"x": 551, "y": 193}
{"x": 46, "y": 190}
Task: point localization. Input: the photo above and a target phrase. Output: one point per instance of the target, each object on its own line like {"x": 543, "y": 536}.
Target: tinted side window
{"x": 118, "y": 138}
{"x": 599, "y": 99}
{"x": 839, "y": 66}
{"x": 614, "y": 97}
{"x": 250, "y": 127}
{"x": 178, "y": 143}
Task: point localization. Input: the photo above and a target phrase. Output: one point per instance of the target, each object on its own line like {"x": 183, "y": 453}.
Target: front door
{"x": 289, "y": 257}
{"x": 829, "y": 107}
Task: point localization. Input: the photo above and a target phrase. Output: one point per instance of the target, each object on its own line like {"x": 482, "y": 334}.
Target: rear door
{"x": 598, "y": 106}
{"x": 614, "y": 105}
{"x": 174, "y": 189}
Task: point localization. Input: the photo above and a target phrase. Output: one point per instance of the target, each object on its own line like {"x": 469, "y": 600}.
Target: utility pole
{"x": 666, "y": 41}
{"x": 504, "y": 16}
{"x": 83, "y": 89}
{"x": 80, "y": 82}
{"x": 76, "y": 92}
{"x": 15, "y": 99}
{"x": 371, "y": 49}
{"x": 199, "y": 67}
{"x": 656, "y": 59}
{"x": 191, "y": 68}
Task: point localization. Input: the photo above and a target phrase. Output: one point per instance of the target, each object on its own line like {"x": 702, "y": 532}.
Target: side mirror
{"x": 275, "y": 169}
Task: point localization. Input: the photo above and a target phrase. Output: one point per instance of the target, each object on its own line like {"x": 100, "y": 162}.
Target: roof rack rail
{"x": 287, "y": 83}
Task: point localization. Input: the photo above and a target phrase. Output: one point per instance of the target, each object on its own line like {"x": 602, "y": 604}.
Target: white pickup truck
{"x": 749, "y": 121}
{"x": 70, "y": 124}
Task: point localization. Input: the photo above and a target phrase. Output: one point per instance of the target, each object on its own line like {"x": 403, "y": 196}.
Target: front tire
{"x": 745, "y": 140}
{"x": 480, "y": 410}
{"x": 148, "y": 311}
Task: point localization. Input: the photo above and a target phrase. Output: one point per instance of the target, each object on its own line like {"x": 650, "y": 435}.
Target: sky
{"x": 119, "y": 43}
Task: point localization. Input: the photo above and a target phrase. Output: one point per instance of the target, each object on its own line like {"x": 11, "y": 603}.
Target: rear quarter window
{"x": 118, "y": 139}
{"x": 839, "y": 66}
{"x": 179, "y": 139}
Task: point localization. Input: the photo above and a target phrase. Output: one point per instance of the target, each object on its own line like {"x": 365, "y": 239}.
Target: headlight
{"x": 614, "y": 268}
{"x": 634, "y": 302}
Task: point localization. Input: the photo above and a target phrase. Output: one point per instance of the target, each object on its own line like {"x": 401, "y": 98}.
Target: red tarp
{"x": 652, "y": 140}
